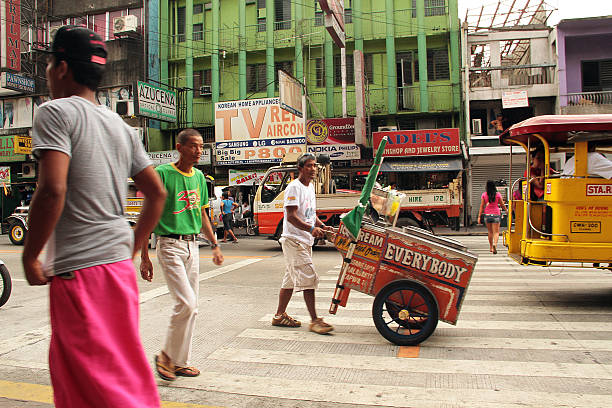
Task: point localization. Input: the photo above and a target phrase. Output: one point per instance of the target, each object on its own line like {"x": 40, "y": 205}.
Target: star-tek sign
{"x": 429, "y": 142}
{"x": 12, "y": 57}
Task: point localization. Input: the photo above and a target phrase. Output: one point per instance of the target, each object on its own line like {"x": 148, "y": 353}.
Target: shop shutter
{"x": 481, "y": 173}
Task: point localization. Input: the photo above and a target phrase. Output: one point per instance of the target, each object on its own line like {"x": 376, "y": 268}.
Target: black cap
{"x": 79, "y": 44}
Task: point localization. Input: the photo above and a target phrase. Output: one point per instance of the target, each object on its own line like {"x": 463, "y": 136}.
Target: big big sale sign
{"x": 256, "y": 131}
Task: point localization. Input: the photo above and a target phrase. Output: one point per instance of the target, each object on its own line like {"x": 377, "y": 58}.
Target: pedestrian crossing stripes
{"x": 523, "y": 339}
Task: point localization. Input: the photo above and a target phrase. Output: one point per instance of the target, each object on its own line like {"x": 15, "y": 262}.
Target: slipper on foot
{"x": 187, "y": 371}
{"x": 163, "y": 371}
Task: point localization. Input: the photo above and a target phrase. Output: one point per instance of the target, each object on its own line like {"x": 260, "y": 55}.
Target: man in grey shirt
{"x": 86, "y": 154}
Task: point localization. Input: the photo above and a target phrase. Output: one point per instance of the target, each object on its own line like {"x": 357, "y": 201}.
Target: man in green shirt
{"x": 184, "y": 216}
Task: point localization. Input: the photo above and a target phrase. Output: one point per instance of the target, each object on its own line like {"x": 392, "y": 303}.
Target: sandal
{"x": 494, "y": 250}
{"x": 187, "y": 371}
{"x": 285, "y": 320}
{"x": 164, "y": 372}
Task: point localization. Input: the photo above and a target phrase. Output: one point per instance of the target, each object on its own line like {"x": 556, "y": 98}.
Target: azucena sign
{"x": 428, "y": 142}
{"x": 156, "y": 103}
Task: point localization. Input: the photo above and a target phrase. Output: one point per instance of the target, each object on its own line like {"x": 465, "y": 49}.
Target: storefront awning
{"x": 413, "y": 165}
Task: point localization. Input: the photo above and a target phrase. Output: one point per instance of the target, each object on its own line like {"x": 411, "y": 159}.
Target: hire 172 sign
{"x": 429, "y": 142}
{"x": 256, "y": 131}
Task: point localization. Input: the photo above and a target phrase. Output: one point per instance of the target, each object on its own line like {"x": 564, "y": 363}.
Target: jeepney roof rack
{"x": 291, "y": 157}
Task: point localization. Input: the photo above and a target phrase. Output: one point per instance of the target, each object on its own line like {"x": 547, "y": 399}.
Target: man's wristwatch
{"x": 213, "y": 246}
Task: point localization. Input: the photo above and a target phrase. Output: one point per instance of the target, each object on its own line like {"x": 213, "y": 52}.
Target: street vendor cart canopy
{"x": 561, "y": 129}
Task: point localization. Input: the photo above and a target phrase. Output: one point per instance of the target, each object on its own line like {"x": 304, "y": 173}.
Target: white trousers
{"x": 180, "y": 262}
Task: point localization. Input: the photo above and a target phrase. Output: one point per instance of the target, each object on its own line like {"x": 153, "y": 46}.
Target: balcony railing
{"x": 509, "y": 76}
{"x": 589, "y": 98}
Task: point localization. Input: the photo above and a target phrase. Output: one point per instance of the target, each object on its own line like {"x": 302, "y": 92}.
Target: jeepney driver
{"x": 300, "y": 227}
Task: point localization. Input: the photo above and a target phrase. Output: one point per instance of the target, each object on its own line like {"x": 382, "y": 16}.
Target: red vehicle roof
{"x": 555, "y": 128}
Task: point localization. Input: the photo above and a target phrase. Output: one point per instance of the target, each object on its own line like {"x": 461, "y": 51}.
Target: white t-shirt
{"x": 297, "y": 194}
{"x": 597, "y": 165}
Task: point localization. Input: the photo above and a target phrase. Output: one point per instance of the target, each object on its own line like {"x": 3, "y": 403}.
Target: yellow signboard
{"x": 23, "y": 144}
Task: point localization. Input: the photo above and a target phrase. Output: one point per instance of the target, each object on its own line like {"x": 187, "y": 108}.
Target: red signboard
{"x": 12, "y": 58}
{"x": 331, "y": 131}
{"x": 428, "y": 142}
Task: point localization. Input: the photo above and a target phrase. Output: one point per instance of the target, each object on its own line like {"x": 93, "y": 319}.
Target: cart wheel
{"x": 5, "y": 284}
{"x": 405, "y": 312}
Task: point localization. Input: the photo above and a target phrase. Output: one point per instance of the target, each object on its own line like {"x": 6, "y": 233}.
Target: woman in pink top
{"x": 490, "y": 204}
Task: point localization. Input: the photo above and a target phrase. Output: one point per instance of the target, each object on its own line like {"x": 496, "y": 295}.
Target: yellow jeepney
{"x": 571, "y": 225}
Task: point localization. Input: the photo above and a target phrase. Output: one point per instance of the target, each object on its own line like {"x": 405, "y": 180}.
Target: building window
{"x": 261, "y": 4}
{"x": 286, "y": 66}
{"x": 437, "y": 64}
{"x": 350, "y": 70}
{"x": 368, "y": 62}
{"x": 256, "y": 78}
{"x": 201, "y": 78}
{"x": 282, "y": 14}
{"x": 597, "y": 76}
{"x": 179, "y": 30}
{"x": 432, "y": 8}
{"x": 320, "y": 72}
{"x": 319, "y": 18}
{"x": 348, "y": 16}
{"x": 261, "y": 25}
{"x": 198, "y": 32}
{"x": 198, "y": 8}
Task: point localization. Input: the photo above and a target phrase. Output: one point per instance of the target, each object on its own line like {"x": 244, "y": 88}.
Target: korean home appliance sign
{"x": 256, "y": 131}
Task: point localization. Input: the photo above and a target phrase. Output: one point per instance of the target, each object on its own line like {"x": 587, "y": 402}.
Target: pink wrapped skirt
{"x": 96, "y": 357}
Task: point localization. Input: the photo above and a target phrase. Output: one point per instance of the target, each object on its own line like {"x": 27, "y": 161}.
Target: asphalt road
{"x": 527, "y": 336}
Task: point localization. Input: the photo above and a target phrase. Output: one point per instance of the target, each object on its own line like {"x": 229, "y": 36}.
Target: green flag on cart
{"x": 352, "y": 220}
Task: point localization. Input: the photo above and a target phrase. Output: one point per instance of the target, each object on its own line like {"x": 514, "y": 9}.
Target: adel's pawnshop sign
{"x": 427, "y": 142}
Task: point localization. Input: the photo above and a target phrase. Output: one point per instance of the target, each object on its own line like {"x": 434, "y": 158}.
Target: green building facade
{"x": 231, "y": 49}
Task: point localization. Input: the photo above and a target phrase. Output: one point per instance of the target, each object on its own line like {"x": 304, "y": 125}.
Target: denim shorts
{"x": 492, "y": 218}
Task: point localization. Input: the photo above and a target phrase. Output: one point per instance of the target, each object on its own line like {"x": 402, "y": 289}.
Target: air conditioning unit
{"x": 387, "y": 128}
{"x": 28, "y": 170}
{"x": 206, "y": 90}
{"x": 124, "y": 108}
{"x": 477, "y": 126}
{"x": 125, "y": 24}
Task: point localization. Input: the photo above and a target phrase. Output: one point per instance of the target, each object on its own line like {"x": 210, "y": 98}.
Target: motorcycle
{"x": 5, "y": 283}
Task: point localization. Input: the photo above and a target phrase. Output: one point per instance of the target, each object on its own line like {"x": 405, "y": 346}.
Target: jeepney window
{"x": 272, "y": 186}
{"x": 342, "y": 181}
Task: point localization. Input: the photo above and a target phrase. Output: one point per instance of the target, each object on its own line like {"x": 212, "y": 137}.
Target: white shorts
{"x": 299, "y": 272}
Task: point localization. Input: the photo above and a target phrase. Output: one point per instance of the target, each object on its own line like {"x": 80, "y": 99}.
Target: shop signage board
{"x": 7, "y": 150}
{"x": 15, "y": 83}
{"x": 256, "y": 131}
{"x": 427, "y": 142}
{"x": 23, "y": 144}
{"x": 330, "y": 131}
{"x": 11, "y": 32}
{"x": 290, "y": 93}
{"x": 5, "y": 175}
{"x": 348, "y": 151}
{"x": 155, "y": 102}
{"x": 169, "y": 156}
{"x": 514, "y": 99}
{"x": 245, "y": 177}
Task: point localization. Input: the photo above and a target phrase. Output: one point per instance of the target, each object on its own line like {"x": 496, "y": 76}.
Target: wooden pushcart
{"x": 416, "y": 278}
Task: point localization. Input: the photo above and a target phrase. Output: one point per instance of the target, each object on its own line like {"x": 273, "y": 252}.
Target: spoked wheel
{"x": 17, "y": 233}
{"x": 5, "y": 285}
{"x": 250, "y": 230}
{"x": 405, "y": 312}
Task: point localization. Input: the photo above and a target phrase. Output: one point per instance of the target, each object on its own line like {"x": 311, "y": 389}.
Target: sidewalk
{"x": 473, "y": 230}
